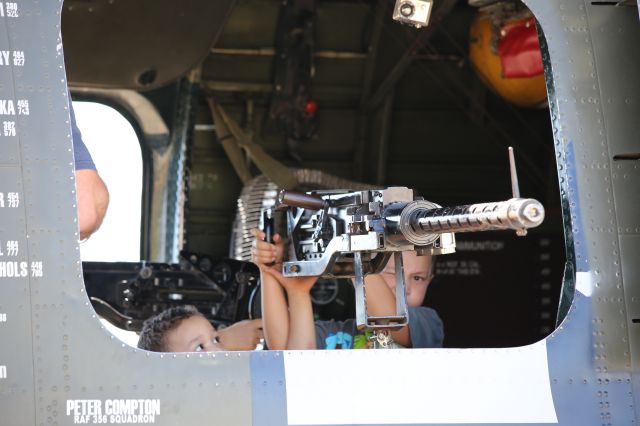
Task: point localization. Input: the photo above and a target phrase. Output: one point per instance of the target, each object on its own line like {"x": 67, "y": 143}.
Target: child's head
{"x": 418, "y": 273}
{"x": 179, "y": 329}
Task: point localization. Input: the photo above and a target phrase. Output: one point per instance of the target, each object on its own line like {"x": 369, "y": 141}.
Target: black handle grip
{"x": 268, "y": 225}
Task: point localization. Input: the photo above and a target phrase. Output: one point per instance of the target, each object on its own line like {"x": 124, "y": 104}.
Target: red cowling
{"x": 519, "y": 49}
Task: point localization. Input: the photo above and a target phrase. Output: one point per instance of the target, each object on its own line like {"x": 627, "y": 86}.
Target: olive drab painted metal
{"x": 593, "y": 101}
{"x": 58, "y": 365}
{"x": 53, "y": 348}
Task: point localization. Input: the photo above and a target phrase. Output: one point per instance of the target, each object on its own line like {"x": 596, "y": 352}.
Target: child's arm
{"x": 381, "y": 301}
{"x": 241, "y": 336}
{"x": 275, "y": 317}
{"x": 302, "y": 331}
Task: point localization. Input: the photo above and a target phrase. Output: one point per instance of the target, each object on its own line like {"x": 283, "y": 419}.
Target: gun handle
{"x": 268, "y": 228}
{"x": 300, "y": 199}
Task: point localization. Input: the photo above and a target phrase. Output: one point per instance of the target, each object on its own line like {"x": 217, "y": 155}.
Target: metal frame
{"x": 55, "y": 354}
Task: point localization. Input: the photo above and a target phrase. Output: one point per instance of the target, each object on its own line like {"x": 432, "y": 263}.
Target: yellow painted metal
{"x": 524, "y": 91}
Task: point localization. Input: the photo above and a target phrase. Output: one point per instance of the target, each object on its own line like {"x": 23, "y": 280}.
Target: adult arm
{"x": 93, "y": 200}
{"x": 91, "y": 192}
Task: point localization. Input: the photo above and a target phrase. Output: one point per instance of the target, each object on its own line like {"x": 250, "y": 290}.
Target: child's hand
{"x": 291, "y": 284}
{"x": 241, "y": 336}
{"x": 264, "y": 253}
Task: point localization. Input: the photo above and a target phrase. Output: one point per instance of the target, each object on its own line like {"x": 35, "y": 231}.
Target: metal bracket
{"x": 317, "y": 234}
{"x": 383, "y": 322}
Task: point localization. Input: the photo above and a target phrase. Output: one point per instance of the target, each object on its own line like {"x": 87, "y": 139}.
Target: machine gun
{"x": 354, "y": 233}
{"x": 127, "y": 293}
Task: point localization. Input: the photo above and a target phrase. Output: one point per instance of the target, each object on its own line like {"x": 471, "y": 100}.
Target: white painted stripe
{"x": 419, "y": 386}
{"x": 584, "y": 283}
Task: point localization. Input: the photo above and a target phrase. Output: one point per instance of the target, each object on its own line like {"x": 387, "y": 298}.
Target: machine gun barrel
{"x": 420, "y": 221}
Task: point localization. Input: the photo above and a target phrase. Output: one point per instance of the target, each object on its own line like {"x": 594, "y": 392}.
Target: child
{"x": 291, "y": 326}
{"x": 179, "y": 329}
{"x": 425, "y": 325}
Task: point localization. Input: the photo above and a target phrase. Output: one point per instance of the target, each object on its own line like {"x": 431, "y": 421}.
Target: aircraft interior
{"x": 222, "y": 95}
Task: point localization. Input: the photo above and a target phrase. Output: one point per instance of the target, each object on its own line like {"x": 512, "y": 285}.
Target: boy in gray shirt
{"x": 288, "y": 322}
{"x": 425, "y": 326}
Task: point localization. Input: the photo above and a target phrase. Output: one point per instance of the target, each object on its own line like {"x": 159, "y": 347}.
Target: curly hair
{"x": 156, "y": 328}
